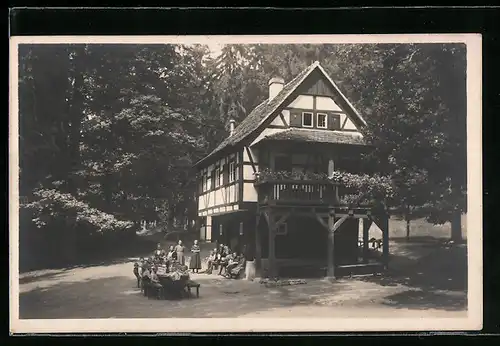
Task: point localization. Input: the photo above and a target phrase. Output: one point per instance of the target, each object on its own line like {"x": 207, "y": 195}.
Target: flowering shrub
{"x": 52, "y": 203}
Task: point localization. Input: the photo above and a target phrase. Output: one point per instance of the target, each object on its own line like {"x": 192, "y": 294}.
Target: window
{"x": 307, "y": 119}
{"x": 282, "y": 229}
{"x": 321, "y": 120}
{"x": 204, "y": 183}
{"x": 220, "y": 177}
{"x": 232, "y": 172}
{"x": 209, "y": 182}
{"x": 217, "y": 176}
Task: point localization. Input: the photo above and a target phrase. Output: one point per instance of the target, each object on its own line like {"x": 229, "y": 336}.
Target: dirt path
{"x": 428, "y": 289}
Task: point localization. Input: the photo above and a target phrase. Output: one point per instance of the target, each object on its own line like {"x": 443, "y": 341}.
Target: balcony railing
{"x": 305, "y": 192}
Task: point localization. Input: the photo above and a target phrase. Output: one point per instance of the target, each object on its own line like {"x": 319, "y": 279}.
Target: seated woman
{"x": 236, "y": 271}
{"x": 211, "y": 261}
{"x": 232, "y": 262}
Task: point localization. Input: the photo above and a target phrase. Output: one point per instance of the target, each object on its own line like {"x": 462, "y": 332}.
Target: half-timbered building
{"x": 305, "y": 125}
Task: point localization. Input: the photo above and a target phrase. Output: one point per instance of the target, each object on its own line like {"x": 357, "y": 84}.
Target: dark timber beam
{"x": 272, "y": 246}
{"x": 258, "y": 246}
{"x": 366, "y": 228}
{"x": 282, "y": 219}
{"x": 331, "y": 245}
{"x": 385, "y": 240}
{"x": 338, "y": 223}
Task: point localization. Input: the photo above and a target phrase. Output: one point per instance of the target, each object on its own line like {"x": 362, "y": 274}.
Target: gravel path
{"x": 110, "y": 292}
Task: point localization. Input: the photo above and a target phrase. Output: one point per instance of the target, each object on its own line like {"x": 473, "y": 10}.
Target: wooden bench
{"x": 193, "y": 284}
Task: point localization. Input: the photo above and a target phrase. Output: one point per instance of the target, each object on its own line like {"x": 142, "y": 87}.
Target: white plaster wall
{"x": 248, "y": 172}
{"x": 302, "y": 101}
{"x": 249, "y": 192}
{"x": 326, "y": 104}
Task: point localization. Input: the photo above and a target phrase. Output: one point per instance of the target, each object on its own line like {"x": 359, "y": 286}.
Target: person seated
{"x": 159, "y": 252}
{"x": 171, "y": 254}
{"x": 155, "y": 281}
{"x": 236, "y": 271}
{"x": 224, "y": 260}
{"x": 145, "y": 277}
{"x": 211, "y": 261}
{"x": 232, "y": 262}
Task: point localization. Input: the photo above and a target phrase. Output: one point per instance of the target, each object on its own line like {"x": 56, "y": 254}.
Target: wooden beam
{"x": 250, "y": 157}
{"x": 366, "y": 228}
{"x": 283, "y": 119}
{"x": 331, "y": 167}
{"x": 331, "y": 245}
{"x": 338, "y": 223}
{"x": 282, "y": 219}
{"x": 266, "y": 216}
{"x": 258, "y": 246}
{"x": 272, "y": 249}
{"x": 344, "y": 122}
{"x": 385, "y": 239}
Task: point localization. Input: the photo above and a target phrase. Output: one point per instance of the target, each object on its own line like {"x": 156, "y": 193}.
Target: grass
{"x": 422, "y": 229}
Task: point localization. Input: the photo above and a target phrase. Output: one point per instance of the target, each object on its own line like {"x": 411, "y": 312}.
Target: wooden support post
{"x": 366, "y": 227}
{"x": 384, "y": 224}
{"x": 272, "y": 247}
{"x": 331, "y": 245}
{"x": 331, "y": 169}
{"x": 258, "y": 246}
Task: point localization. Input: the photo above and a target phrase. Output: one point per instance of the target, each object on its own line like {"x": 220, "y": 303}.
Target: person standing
{"x": 159, "y": 252}
{"x": 179, "y": 249}
{"x": 195, "y": 263}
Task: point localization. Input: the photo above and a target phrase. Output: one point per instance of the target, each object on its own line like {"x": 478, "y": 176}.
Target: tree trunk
{"x": 456, "y": 226}
{"x": 407, "y": 229}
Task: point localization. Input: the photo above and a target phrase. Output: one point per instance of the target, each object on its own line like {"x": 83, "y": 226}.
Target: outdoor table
{"x": 172, "y": 286}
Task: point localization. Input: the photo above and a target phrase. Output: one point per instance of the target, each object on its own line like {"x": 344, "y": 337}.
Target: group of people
{"x": 177, "y": 254}
{"x": 163, "y": 262}
{"x": 227, "y": 261}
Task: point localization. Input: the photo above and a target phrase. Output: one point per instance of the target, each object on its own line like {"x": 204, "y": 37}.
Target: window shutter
{"x": 295, "y": 119}
{"x": 334, "y": 122}
{"x": 225, "y": 174}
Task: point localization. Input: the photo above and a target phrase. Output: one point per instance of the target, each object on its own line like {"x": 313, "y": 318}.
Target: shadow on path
{"x": 436, "y": 275}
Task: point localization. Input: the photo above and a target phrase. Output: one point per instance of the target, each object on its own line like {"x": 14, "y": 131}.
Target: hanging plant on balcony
{"x": 369, "y": 189}
{"x": 269, "y": 175}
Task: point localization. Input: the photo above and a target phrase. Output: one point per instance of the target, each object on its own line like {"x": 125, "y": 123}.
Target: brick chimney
{"x": 275, "y": 86}
{"x": 231, "y": 127}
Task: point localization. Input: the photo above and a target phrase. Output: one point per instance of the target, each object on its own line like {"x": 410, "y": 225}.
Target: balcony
{"x": 299, "y": 192}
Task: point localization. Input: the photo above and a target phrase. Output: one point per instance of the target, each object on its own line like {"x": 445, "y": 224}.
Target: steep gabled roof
{"x": 265, "y": 109}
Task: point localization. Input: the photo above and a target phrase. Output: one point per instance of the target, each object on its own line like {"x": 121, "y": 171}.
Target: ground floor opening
{"x": 300, "y": 243}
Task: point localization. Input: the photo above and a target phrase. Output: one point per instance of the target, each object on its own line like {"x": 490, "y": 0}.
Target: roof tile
{"x": 318, "y": 136}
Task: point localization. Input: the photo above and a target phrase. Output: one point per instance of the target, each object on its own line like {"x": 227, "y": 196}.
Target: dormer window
{"x": 307, "y": 119}
{"x": 321, "y": 120}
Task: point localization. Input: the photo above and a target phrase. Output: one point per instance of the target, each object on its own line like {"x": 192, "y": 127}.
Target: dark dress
{"x": 195, "y": 262}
